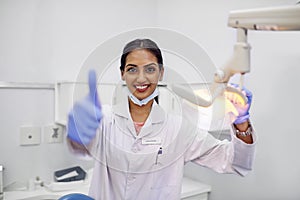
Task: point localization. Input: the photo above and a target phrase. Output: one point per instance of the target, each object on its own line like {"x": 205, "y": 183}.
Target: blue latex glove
{"x": 86, "y": 115}
{"x": 243, "y": 110}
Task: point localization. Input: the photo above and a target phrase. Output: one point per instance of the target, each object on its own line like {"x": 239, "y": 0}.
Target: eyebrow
{"x": 134, "y": 65}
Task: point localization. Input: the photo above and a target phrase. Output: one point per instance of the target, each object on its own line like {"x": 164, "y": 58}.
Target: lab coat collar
{"x": 152, "y": 125}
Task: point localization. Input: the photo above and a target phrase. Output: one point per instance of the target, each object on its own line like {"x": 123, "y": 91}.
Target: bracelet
{"x": 244, "y": 133}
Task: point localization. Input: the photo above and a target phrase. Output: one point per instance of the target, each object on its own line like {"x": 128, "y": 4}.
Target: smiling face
{"x": 141, "y": 73}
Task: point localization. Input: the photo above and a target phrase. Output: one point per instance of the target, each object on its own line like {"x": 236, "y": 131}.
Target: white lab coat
{"x": 126, "y": 168}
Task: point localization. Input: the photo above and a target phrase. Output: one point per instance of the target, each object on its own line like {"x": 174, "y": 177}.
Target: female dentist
{"x": 140, "y": 150}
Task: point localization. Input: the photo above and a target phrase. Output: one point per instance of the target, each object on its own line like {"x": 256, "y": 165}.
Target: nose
{"x": 141, "y": 76}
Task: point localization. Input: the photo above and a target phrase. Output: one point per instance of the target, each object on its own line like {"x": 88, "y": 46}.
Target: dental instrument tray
{"x": 70, "y": 174}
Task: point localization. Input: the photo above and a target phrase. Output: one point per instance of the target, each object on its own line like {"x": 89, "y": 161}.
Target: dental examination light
{"x": 284, "y": 18}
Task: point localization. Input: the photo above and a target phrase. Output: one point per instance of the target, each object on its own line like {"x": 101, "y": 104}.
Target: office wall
{"x": 45, "y": 42}
{"x": 273, "y": 79}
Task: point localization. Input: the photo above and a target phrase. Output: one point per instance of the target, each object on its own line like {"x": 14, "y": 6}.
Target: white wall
{"x": 273, "y": 80}
{"x": 47, "y": 41}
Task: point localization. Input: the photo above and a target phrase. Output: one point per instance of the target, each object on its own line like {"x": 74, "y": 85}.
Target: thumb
{"x": 93, "y": 87}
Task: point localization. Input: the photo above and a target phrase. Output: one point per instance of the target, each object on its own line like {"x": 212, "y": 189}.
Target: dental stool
{"x": 75, "y": 196}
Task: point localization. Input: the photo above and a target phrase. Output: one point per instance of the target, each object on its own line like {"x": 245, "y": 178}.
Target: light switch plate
{"x": 30, "y": 135}
{"x": 53, "y": 133}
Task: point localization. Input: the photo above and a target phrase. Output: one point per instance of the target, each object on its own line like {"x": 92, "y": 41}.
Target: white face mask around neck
{"x": 143, "y": 101}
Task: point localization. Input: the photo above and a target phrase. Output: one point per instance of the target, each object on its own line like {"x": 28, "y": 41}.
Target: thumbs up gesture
{"x": 85, "y": 116}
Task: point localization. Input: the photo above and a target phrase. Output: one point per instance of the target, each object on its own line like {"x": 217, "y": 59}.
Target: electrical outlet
{"x": 30, "y": 135}
{"x": 53, "y": 133}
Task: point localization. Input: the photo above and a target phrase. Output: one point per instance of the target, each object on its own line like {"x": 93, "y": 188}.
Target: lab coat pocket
{"x": 166, "y": 183}
{"x": 161, "y": 179}
{"x": 167, "y": 192}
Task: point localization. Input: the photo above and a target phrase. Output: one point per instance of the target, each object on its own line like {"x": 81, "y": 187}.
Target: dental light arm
{"x": 284, "y": 18}
{"x": 239, "y": 63}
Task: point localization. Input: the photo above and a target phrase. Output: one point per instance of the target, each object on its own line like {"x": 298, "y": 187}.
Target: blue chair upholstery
{"x": 75, "y": 196}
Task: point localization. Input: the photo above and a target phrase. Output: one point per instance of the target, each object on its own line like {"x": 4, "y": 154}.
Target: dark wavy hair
{"x": 141, "y": 44}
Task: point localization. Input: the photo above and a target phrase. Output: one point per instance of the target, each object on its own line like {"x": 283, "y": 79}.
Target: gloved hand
{"x": 242, "y": 109}
{"x": 86, "y": 115}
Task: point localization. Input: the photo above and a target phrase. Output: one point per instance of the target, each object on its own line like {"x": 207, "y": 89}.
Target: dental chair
{"x": 75, "y": 196}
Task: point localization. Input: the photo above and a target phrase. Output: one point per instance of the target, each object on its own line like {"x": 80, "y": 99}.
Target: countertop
{"x": 189, "y": 188}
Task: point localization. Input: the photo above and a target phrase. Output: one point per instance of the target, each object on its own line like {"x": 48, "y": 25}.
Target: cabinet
{"x": 210, "y": 118}
{"x": 67, "y": 93}
{"x": 194, "y": 190}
